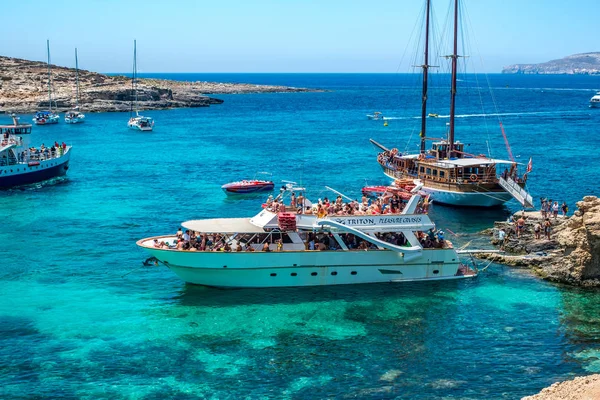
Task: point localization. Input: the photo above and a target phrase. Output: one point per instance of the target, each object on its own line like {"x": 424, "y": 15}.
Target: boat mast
{"x": 77, "y": 81}
{"x": 135, "y": 74}
{"x": 454, "y": 57}
{"x": 425, "y": 67}
{"x": 49, "y": 78}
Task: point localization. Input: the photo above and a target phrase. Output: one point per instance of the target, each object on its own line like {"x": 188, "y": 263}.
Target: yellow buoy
{"x": 385, "y": 123}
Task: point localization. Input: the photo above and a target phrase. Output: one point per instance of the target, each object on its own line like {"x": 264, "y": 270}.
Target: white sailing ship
{"x": 47, "y": 117}
{"x": 137, "y": 121}
{"x": 75, "y": 116}
{"x": 448, "y": 173}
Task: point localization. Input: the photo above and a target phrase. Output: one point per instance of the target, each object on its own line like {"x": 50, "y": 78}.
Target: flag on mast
{"x": 529, "y": 165}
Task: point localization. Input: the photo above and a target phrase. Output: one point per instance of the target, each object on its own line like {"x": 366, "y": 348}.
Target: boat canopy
{"x": 223, "y": 225}
{"x": 461, "y": 162}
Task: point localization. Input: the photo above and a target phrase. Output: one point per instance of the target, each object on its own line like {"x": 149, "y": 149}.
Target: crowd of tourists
{"x": 389, "y": 203}
{"x": 43, "y": 153}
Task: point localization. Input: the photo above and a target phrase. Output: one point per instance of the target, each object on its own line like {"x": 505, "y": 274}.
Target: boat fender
{"x": 473, "y": 178}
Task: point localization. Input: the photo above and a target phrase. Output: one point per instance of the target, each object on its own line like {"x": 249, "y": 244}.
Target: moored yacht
{"x": 47, "y": 117}
{"x": 21, "y": 164}
{"x": 595, "y": 100}
{"x": 137, "y": 121}
{"x": 280, "y": 247}
{"x": 75, "y": 116}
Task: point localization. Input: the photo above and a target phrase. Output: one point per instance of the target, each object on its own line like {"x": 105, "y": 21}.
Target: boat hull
{"x": 48, "y": 121}
{"x": 247, "y": 190}
{"x": 23, "y": 174}
{"x": 74, "y": 120}
{"x": 308, "y": 268}
{"x": 463, "y": 199}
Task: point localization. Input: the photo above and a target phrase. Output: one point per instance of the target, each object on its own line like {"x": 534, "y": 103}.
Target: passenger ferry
{"x": 287, "y": 248}
{"x": 21, "y": 164}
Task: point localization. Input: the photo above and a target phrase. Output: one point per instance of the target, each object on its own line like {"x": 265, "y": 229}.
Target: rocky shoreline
{"x": 582, "y": 388}
{"x": 24, "y": 89}
{"x": 576, "y": 64}
{"x": 571, "y": 255}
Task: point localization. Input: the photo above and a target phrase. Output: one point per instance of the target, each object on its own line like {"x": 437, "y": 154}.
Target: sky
{"x": 285, "y": 35}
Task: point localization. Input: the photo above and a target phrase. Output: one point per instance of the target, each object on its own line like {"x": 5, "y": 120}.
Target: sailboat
{"x": 449, "y": 174}
{"x": 47, "y": 116}
{"x": 75, "y": 116}
{"x": 138, "y": 121}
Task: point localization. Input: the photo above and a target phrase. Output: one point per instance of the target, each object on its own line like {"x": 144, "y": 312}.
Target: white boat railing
{"x": 516, "y": 191}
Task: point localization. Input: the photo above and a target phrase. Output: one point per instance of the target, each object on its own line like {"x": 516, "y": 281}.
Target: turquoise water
{"x": 81, "y": 318}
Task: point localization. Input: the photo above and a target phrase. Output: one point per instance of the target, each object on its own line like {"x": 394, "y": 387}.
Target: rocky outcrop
{"x": 584, "y": 64}
{"x": 571, "y": 255}
{"x": 582, "y": 388}
{"x": 24, "y": 89}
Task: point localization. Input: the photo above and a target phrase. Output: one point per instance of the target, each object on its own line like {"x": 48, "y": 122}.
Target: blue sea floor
{"x": 80, "y": 317}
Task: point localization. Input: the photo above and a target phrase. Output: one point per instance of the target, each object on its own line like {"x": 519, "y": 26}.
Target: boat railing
{"x": 11, "y": 140}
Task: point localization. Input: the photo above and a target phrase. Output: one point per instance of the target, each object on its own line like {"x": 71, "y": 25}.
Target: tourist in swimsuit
{"x": 520, "y": 226}
{"x": 547, "y": 228}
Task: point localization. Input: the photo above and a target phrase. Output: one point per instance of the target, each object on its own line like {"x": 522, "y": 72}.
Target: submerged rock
{"x": 572, "y": 255}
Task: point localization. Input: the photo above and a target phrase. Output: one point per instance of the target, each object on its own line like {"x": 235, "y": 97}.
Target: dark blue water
{"x": 80, "y": 318}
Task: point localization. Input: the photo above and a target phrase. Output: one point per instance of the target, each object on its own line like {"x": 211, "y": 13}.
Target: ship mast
{"x": 454, "y": 57}
{"x": 133, "y": 83}
{"x": 49, "y": 78}
{"x": 425, "y": 67}
{"x": 76, "y": 81}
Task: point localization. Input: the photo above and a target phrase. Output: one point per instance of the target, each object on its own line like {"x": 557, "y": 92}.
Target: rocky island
{"x": 571, "y": 255}
{"x": 24, "y": 89}
{"x": 582, "y": 64}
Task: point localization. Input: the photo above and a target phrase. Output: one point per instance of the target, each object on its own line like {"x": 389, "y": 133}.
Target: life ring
{"x": 473, "y": 178}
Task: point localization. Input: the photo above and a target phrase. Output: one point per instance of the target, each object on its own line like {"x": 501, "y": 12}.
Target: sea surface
{"x": 81, "y": 317}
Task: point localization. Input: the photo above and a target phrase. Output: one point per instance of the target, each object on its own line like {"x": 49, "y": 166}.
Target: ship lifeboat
{"x": 248, "y": 187}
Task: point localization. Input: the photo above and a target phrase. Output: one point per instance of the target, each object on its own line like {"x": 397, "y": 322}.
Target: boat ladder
{"x": 516, "y": 191}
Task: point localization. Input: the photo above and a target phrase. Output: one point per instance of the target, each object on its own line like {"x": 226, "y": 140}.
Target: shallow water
{"x": 81, "y": 318}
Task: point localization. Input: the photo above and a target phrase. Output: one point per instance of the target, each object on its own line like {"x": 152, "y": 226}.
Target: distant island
{"x": 576, "y": 64}
{"x": 24, "y": 89}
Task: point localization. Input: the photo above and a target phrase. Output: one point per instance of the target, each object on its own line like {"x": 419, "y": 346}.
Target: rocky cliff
{"x": 585, "y": 64}
{"x": 572, "y": 255}
{"x": 24, "y": 89}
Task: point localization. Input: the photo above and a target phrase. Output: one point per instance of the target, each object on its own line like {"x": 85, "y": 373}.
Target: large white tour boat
{"x": 282, "y": 247}
{"x": 22, "y": 164}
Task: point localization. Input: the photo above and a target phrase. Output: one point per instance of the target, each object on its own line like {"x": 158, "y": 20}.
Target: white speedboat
{"x": 595, "y": 100}
{"x": 375, "y": 116}
{"x": 137, "y": 121}
{"x": 273, "y": 249}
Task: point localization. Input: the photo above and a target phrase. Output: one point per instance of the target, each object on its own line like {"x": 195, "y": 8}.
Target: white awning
{"x": 222, "y": 225}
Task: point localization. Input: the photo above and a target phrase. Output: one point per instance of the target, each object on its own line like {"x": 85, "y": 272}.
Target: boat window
{"x": 273, "y": 274}
{"x": 353, "y": 273}
{"x": 442, "y": 174}
{"x": 334, "y": 273}
{"x": 313, "y": 274}
{"x": 293, "y": 274}
{"x": 422, "y": 169}
{"x": 428, "y": 171}
{"x": 435, "y": 172}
